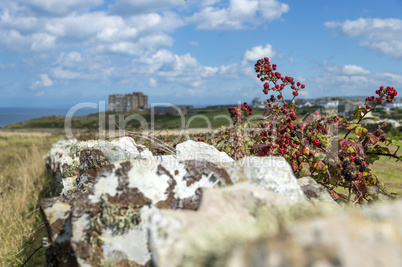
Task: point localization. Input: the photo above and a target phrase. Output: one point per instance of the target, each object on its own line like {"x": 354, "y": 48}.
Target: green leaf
{"x": 396, "y": 142}
{"x": 352, "y": 126}
{"x": 360, "y": 131}
{"x": 370, "y": 118}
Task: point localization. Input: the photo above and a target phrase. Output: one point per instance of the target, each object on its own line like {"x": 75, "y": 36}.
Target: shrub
{"x": 311, "y": 145}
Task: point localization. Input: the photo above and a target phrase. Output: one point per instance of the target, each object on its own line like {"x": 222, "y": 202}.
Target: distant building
{"x": 396, "y": 103}
{"x": 327, "y": 102}
{"x": 258, "y": 103}
{"x": 302, "y": 103}
{"x": 172, "y": 110}
{"x": 128, "y": 102}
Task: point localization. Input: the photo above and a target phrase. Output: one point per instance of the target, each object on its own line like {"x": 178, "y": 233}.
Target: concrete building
{"x": 128, "y": 102}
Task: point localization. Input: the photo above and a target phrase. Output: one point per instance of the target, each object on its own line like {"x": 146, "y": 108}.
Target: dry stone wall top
{"x": 121, "y": 206}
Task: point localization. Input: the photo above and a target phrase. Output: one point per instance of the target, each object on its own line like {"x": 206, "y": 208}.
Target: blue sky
{"x": 59, "y": 53}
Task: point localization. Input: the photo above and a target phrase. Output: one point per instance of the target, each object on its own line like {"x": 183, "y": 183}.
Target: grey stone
{"x": 106, "y": 223}
{"x": 172, "y": 232}
{"x": 271, "y": 173}
{"x": 191, "y": 150}
{"x": 368, "y": 237}
{"x": 315, "y": 192}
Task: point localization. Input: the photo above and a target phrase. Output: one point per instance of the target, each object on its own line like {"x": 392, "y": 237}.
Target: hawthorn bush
{"x": 312, "y": 145}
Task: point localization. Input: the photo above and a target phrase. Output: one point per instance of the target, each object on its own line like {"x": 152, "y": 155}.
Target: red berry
{"x": 302, "y": 86}
{"x": 295, "y": 93}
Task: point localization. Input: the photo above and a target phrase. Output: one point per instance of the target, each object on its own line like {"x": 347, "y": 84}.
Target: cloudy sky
{"x": 57, "y": 53}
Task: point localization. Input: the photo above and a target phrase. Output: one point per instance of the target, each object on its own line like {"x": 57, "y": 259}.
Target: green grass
{"x": 23, "y": 180}
{"x": 389, "y": 171}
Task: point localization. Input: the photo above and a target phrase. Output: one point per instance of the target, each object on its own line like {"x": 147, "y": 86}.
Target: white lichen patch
{"x": 106, "y": 185}
{"x": 59, "y": 210}
{"x": 69, "y": 185}
{"x": 128, "y": 144}
{"x": 79, "y": 228}
{"x": 144, "y": 176}
{"x": 131, "y": 246}
{"x": 271, "y": 173}
{"x": 183, "y": 191}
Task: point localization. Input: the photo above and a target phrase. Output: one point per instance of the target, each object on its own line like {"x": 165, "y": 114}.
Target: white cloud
{"x": 42, "y": 42}
{"x": 64, "y": 74}
{"x": 40, "y": 93}
{"x": 194, "y": 43}
{"x": 394, "y": 78}
{"x": 383, "y": 35}
{"x": 6, "y": 66}
{"x": 238, "y": 15}
{"x": 23, "y": 33}
{"x": 257, "y": 53}
{"x": 350, "y": 80}
{"x": 272, "y": 9}
{"x": 354, "y": 70}
{"x": 152, "y": 82}
{"x": 130, "y": 7}
{"x": 69, "y": 59}
{"x": 183, "y": 69}
{"x": 58, "y": 8}
{"x": 44, "y": 81}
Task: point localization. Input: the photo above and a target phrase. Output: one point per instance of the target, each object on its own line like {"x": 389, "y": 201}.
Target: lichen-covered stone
{"x": 120, "y": 149}
{"x": 271, "y": 173}
{"x": 191, "y": 150}
{"x": 104, "y": 221}
{"x": 369, "y": 237}
{"x": 115, "y": 193}
{"x": 172, "y": 232}
{"x": 314, "y": 192}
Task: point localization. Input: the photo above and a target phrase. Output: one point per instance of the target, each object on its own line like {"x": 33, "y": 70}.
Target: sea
{"x": 15, "y": 115}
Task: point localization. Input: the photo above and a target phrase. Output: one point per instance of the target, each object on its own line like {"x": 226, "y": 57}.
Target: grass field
{"x": 390, "y": 172}
{"x": 23, "y": 180}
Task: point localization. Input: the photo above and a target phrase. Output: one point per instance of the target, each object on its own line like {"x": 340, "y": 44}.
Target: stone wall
{"x": 121, "y": 206}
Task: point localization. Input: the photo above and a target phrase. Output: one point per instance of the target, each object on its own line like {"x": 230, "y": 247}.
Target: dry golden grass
{"x": 23, "y": 179}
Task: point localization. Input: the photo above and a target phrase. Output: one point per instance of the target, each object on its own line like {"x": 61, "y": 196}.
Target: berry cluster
{"x": 352, "y": 167}
{"x": 241, "y": 112}
{"x": 267, "y": 72}
{"x": 388, "y": 94}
